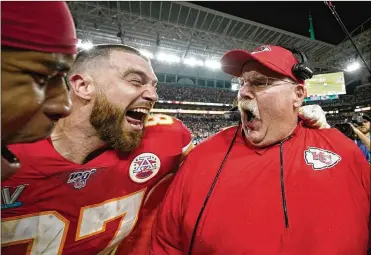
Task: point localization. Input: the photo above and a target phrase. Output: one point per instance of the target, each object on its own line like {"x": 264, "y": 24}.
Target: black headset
{"x": 302, "y": 72}
{"x": 233, "y": 114}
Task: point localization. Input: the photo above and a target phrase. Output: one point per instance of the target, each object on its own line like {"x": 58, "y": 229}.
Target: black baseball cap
{"x": 366, "y": 117}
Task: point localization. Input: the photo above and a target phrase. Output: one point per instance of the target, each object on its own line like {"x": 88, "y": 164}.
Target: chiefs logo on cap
{"x": 261, "y": 49}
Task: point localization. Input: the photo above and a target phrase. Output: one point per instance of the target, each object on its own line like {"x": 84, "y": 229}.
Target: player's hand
{"x": 313, "y": 116}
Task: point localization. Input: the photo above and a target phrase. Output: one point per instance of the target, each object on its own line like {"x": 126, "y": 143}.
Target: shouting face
{"x": 127, "y": 94}
{"x": 268, "y": 103}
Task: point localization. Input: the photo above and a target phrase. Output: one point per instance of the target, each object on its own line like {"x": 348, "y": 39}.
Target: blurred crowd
{"x": 193, "y": 94}
{"x": 211, "y": 95}
{"x": 202, "y": 125}
{"x": 362, "y": 94}
{"x": 337, "y": 118}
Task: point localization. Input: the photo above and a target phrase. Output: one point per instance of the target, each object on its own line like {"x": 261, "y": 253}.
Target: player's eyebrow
{"x": 138, "y": 72}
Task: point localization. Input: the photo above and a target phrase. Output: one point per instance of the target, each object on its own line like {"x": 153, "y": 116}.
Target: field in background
{"x": 326, "y": 84}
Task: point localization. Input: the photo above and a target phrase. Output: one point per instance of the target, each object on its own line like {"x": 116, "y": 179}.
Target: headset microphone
{"x": 233, "y": 114}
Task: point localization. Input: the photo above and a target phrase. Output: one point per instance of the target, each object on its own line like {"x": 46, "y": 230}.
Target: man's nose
{"x": 150, "y": 94}
{"x": 246, "y": 92}
{"x": 58, "y": 103}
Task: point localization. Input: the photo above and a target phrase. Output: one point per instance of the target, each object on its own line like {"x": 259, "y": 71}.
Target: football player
{"x": 33, "y": 93}
{"x": 81, "y": 191}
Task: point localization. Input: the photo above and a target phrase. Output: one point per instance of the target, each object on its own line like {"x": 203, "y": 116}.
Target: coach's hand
{"x": 313, "y": 116}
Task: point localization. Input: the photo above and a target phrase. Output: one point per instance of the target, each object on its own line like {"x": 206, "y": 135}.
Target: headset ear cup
{"x": 296, "y": 70}
{"x": 301, "y": 70}
{"x": 305, "y": 67}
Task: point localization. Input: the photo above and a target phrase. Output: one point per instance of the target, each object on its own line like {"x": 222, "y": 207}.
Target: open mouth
{"x": 250, "y": 115}
{"x": 252, "y": 119}
{"x": 135, "y": 117}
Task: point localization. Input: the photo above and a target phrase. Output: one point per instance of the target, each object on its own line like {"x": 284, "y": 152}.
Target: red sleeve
{"x": 166, "y": 231}
{"x": 187, "y": 144}
{"x": 138, "y": 241}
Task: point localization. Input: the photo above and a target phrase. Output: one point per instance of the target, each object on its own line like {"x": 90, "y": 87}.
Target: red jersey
{"x": 308, "y": 195}
{"x": 55, "y": 206}
{"x": 138, "y": 242}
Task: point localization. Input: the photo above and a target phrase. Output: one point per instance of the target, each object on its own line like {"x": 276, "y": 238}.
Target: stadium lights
{"x": 168, "y": 58}
{"x": 146, "y": 53}
{"x": 362, "y": 109}
{"x": 352, "y": 67}
{"x": 193, "y": 62}
{"x": 84, "y": 45}
{"x": 213, "y": 64}
{"x": 171, "y": 58}
{"x": 164, "y": 57}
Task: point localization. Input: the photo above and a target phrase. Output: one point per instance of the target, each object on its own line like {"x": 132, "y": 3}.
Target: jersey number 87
{"x": 158, "y": 119}
{"x": 45, "y": 232}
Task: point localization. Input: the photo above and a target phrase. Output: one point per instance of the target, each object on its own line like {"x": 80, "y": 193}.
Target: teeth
{"x": 142, "y": 110}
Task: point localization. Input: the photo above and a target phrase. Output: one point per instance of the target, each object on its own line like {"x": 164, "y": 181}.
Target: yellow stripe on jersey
{"x": 109, "y": 251}
{"x": 186, "y": 149}
{"x": 224, "y": 128}
{"x": 114, "y": 251}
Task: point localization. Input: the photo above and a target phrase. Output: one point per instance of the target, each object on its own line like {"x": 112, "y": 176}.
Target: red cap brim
{"x": 234, "y": 60}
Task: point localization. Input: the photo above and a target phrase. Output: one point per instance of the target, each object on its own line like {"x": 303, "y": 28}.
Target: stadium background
{"x": 186, "y": 41}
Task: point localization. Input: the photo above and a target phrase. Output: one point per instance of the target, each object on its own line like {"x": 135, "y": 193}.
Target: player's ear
{"x": 82, "y": 85}
{"x": 300, "y": 92}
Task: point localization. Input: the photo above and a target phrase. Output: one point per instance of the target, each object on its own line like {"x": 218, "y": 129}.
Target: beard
{"x": 107, "y": 120}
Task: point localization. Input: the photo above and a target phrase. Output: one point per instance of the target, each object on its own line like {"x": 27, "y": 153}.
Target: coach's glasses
{"x": 262, "y": 83}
